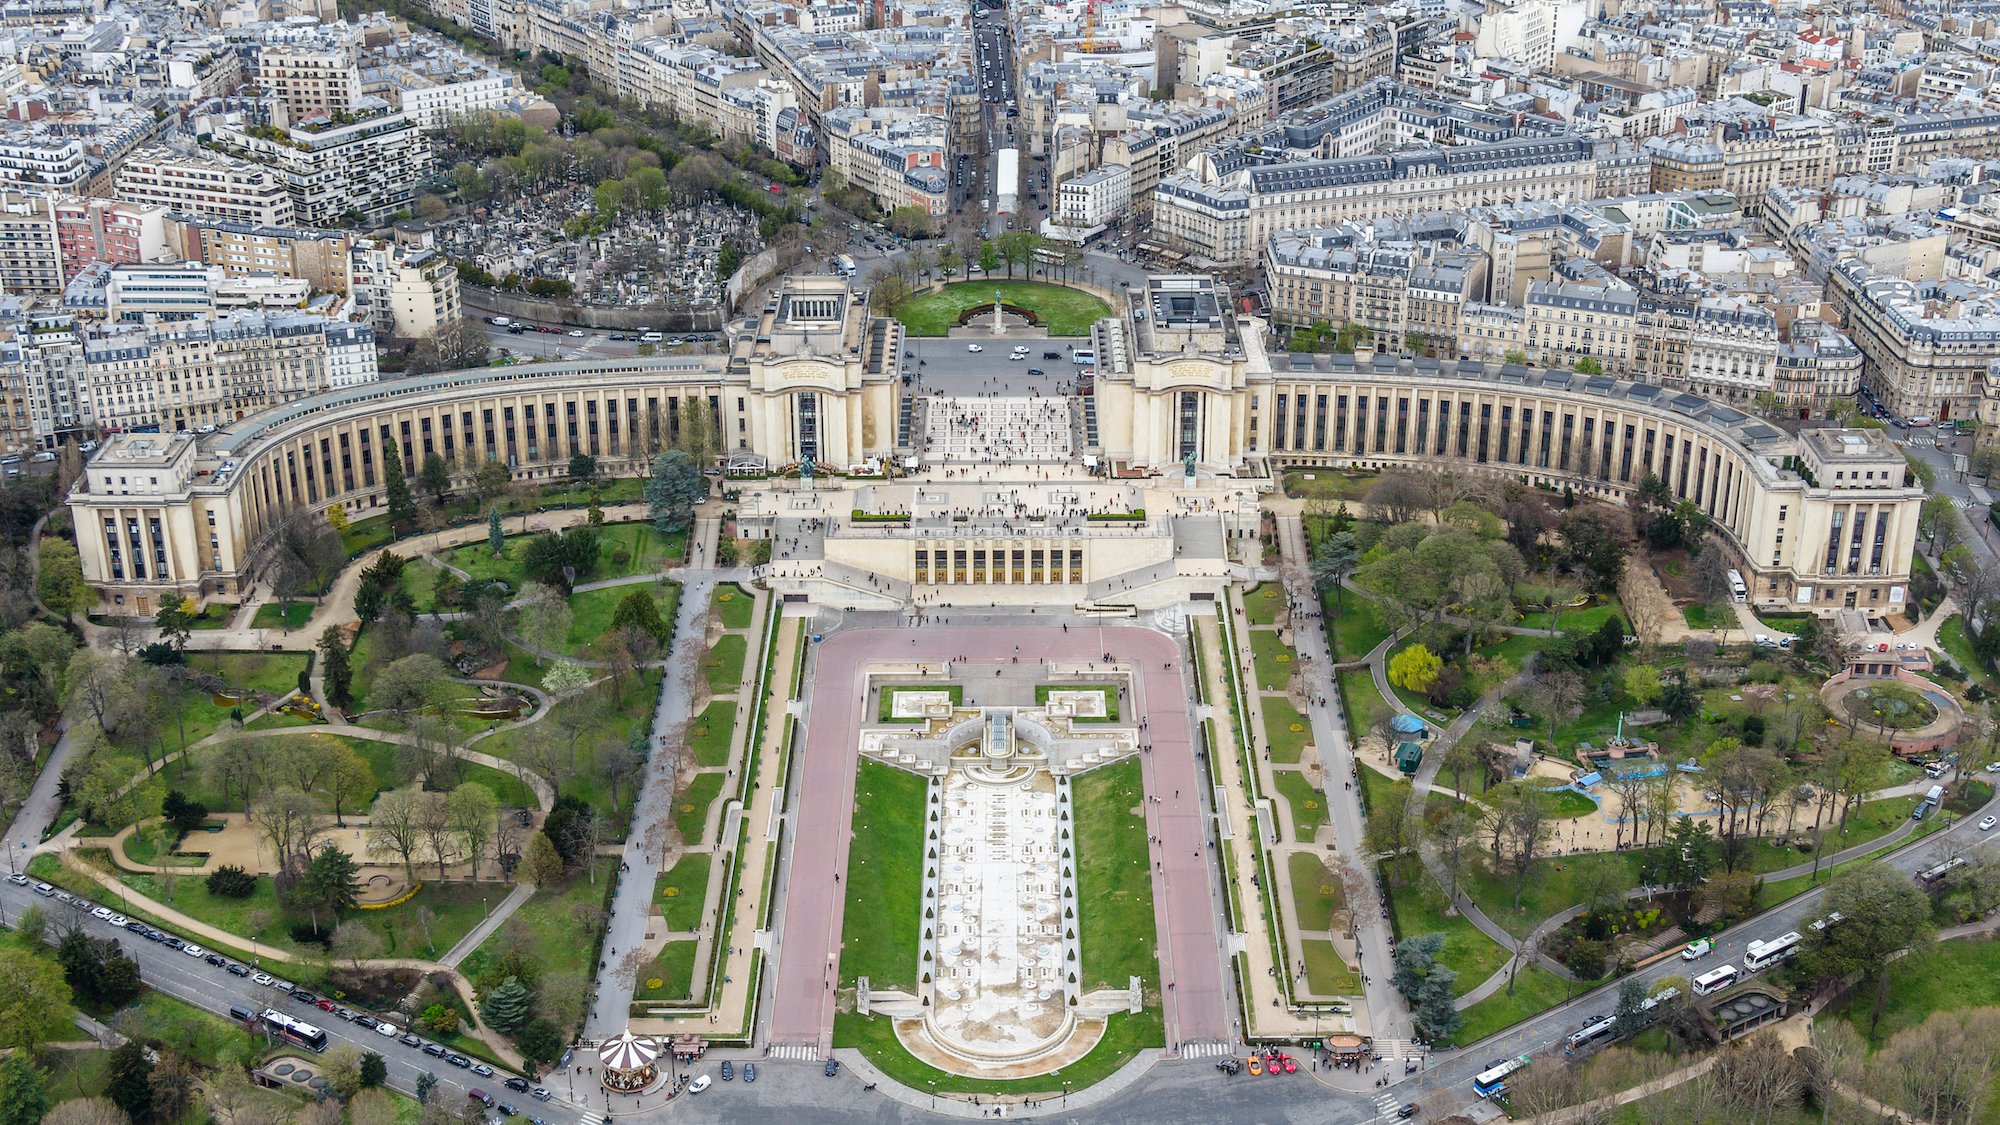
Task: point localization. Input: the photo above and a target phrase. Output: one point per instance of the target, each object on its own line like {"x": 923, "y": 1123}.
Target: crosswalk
{"x": 1921, "y": 442}
{"x": 1965, "y": 503}
{"x": 804, "y": 1052}
{"x": 1206, "y": 1049}
{"x": 589, "y": 1118}
{"x": 1387, "y": 1104}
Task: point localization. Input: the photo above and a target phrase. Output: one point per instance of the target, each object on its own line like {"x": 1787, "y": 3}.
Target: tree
{"x": 1389, "y": 830}
{"x": 1942, "y": 1070}
{"x": 230, "y": 881}
{"x": 1559, "y": 692}
{"x": 426, "y": 1083}
{"x": 452, "y": 345}
{"x": 582, "y": 469}
{"x": 989, "y": 258}
{"x": 496, "y": 540}
{"x": 638, "y": 610}
{"x": 505, "y": 1008}
{"x": 1335, "y": 559}
{"x": 1589, "y": 365}
{"x": 291, "y": 819}
{"x": 1415, "y": 669}
{"x": 336, "y": 669}
{"x": 1629, "y": 1017}
{"x": 354, "y": 943}
{"x": 402, "y": 508}
{"x": 435, "y": 476}
{"x": 34, "y": 1000}
{"x": 540, "y": 864}
{"x": 97, "y": 969}
{"x": 471, "y": 807}
{"x": 348, "y": 776}
{"x": 87, "y": 1111}
{"x": 181, "y": 813}
{"x": 673, "y": 491}
{"x": 1938, "y": 521}
{"x": 949, "y": 260}
{"x": 434, "y": 821}
{"x": 1884, "y": 911}
{"x": 129, "y": 1082}
{"x": 1688, "y": 854}
{"x": 330, "y": 887}
{"x": 175, "y": 619}
{"x": 571, "y": 826}
{"x": 1525, "y": 816}
{"x": 374, "y": 1072}
{"x": 696, "y": 178}
{"x": 24, "y": 1095}
{"x": 59, "y": 581}
{"x": 543, "y": 617}
{"x": 888, "y": 293}
{"x": 541, "y": 1041}
{"x": 1452, "y": 830}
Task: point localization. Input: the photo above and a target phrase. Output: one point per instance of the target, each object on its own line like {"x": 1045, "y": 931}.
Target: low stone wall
{"x": 547, "y": 310}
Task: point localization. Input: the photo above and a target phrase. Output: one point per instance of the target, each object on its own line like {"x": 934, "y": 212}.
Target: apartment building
{"x": 1927, "y": 346}
{"x": 899, "y": 159}
{"x": 318, "y": 257}
{"x": 206, "y": 185}
{"x": 1096, "y": 198}
{"x": 1392, "y": 290}
{"x": 367, "y": 167}
{"x": 321, "y": 76}
{"x": 404, "y": 292}
{"x": 30, "y": 248}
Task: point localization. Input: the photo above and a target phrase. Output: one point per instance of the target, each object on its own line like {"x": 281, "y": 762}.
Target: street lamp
{"x": 933, "y": 1083}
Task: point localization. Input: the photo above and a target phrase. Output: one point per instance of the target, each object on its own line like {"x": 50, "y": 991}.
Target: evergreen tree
{"x": 540, "y": 864}
{"x": 638, "y": 610}
{"x": 1437, "y": 1013}
{"x": 426, "y": 1082}
{"x": 24, "y": 1095}
{"x": 506, "y": 1007}
{"x": 494, "y": 538}
{"x": 374, "y": 1070}
{"x": 673, "y": 491}
{"x": 336, "y": 668}
{"x": 330, "y": 886}
{"x": 130, "y": 1084}
{"x": 402, "y": 509}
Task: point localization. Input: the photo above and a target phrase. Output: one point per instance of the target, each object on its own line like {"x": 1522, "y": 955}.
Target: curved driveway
{"x": 1195, "y": 1008}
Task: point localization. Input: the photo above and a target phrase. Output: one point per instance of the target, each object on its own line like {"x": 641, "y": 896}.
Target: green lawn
{"x": 151, "y": 844}
{"x": 1709, "y": 617}
{"x": 724, "y": 665}
{"x": 1416, "y": 905}
{"x": 1945, "y": 977}
{"x": 1793, "y": 623}
{"x": 688, "y": 879}
{"x": 215, "y": 615}
{"x": 1273, "y": 660}
{"x": 708, "y": 734}
{"x": 271, "y": 615}
{"x": 674, "y": 969}
{"x": 1125, "y": 1035}
{"x": 1108, "y": 691}
{"x": 591, "y": 610}
{"x": 1363, "y": 705}
{"x": 888, "y": 700}
{"x": 81, "y": 1072}
{"x": 1568, "y": 804}
{"x": 1313, "y": 906}
{"x": 1326, "y": 973}
{"x": 1535, "y": 991}
{"x": 1956, "y": 645}
{"x": 367, "y": 534}
{"x": 1064, "y": 311}
{"x": 455, "y": 909}
{"x": 1261, "y": 604}
{"x": 691, "y": 807}
{"x": 186, "y": 1029}
{"x": 1356, "y": 624}
{"x": 647, "y": 552}
{"x": 549, "y": 921}
{"x": 615, "y": 722}
{"x": 1286, "y": 732}
{"x": 1328, "y": 484}
{"x": 1308, "y": 804}
{"x": 733, "y": 606}
{"x": 884, "y": 879}
{"x": 1587, "y": 620}
{"x": 1114, "y": 887}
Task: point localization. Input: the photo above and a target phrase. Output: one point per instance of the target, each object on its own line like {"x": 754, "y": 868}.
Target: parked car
{"x": 519, "y": 1085}
{"x": 728, "y": 1072}
{"x": 409, "y": 1040}
{"x": 386, "y": 1030}
{"x": 236, "y": 970}
{"x": 482, "y": 1070}
{"x": 1986, "y": 823}
{"x": 831, "y": 1069}
{"x": 749, "y": 1072}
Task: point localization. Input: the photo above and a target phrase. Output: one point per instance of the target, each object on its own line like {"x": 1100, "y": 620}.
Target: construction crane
{"x": 1090, "y": 26}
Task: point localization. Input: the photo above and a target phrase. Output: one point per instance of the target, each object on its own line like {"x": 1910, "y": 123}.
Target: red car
{"x": 1272, "y": 1065}
{"x": 1291, "y": 1065}
{"x": 325, "y": 1005}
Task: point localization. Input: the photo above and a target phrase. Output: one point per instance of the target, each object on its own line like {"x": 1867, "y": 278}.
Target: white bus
{"x": 1763, "y": 954}
{"x": 1592, "y": 1031}
{"x": 1930, "y": 876}
{"x": 1716, "y": 981}
{"x": 1083, "y": 357}
{"x": 843, "y": 265}
{"x": 1488, "y": 1083}
{"x": 1738, "y": 592}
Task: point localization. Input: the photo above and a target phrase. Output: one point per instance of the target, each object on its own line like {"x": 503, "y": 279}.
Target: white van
{"x": 651, "y": 338}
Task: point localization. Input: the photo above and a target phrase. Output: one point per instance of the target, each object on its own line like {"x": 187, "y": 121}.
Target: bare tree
{"x": 395, "y": 824}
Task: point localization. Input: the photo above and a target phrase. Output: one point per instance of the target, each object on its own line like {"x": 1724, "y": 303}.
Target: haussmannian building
{"x": 1820, "y": 521}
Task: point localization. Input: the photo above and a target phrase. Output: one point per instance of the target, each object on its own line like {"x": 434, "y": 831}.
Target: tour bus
{"x": 295, "y": 1031}
{"x": 1491, "y": 1082}
{"x": 1932, "y": 875}
{"x": 1592, "y": 1031}
{"x": 1083, "y": 357}
{"x": 1738, "y": 592}
{"x": 1716, "y": 981}
{"x": 1763, "y": 954}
